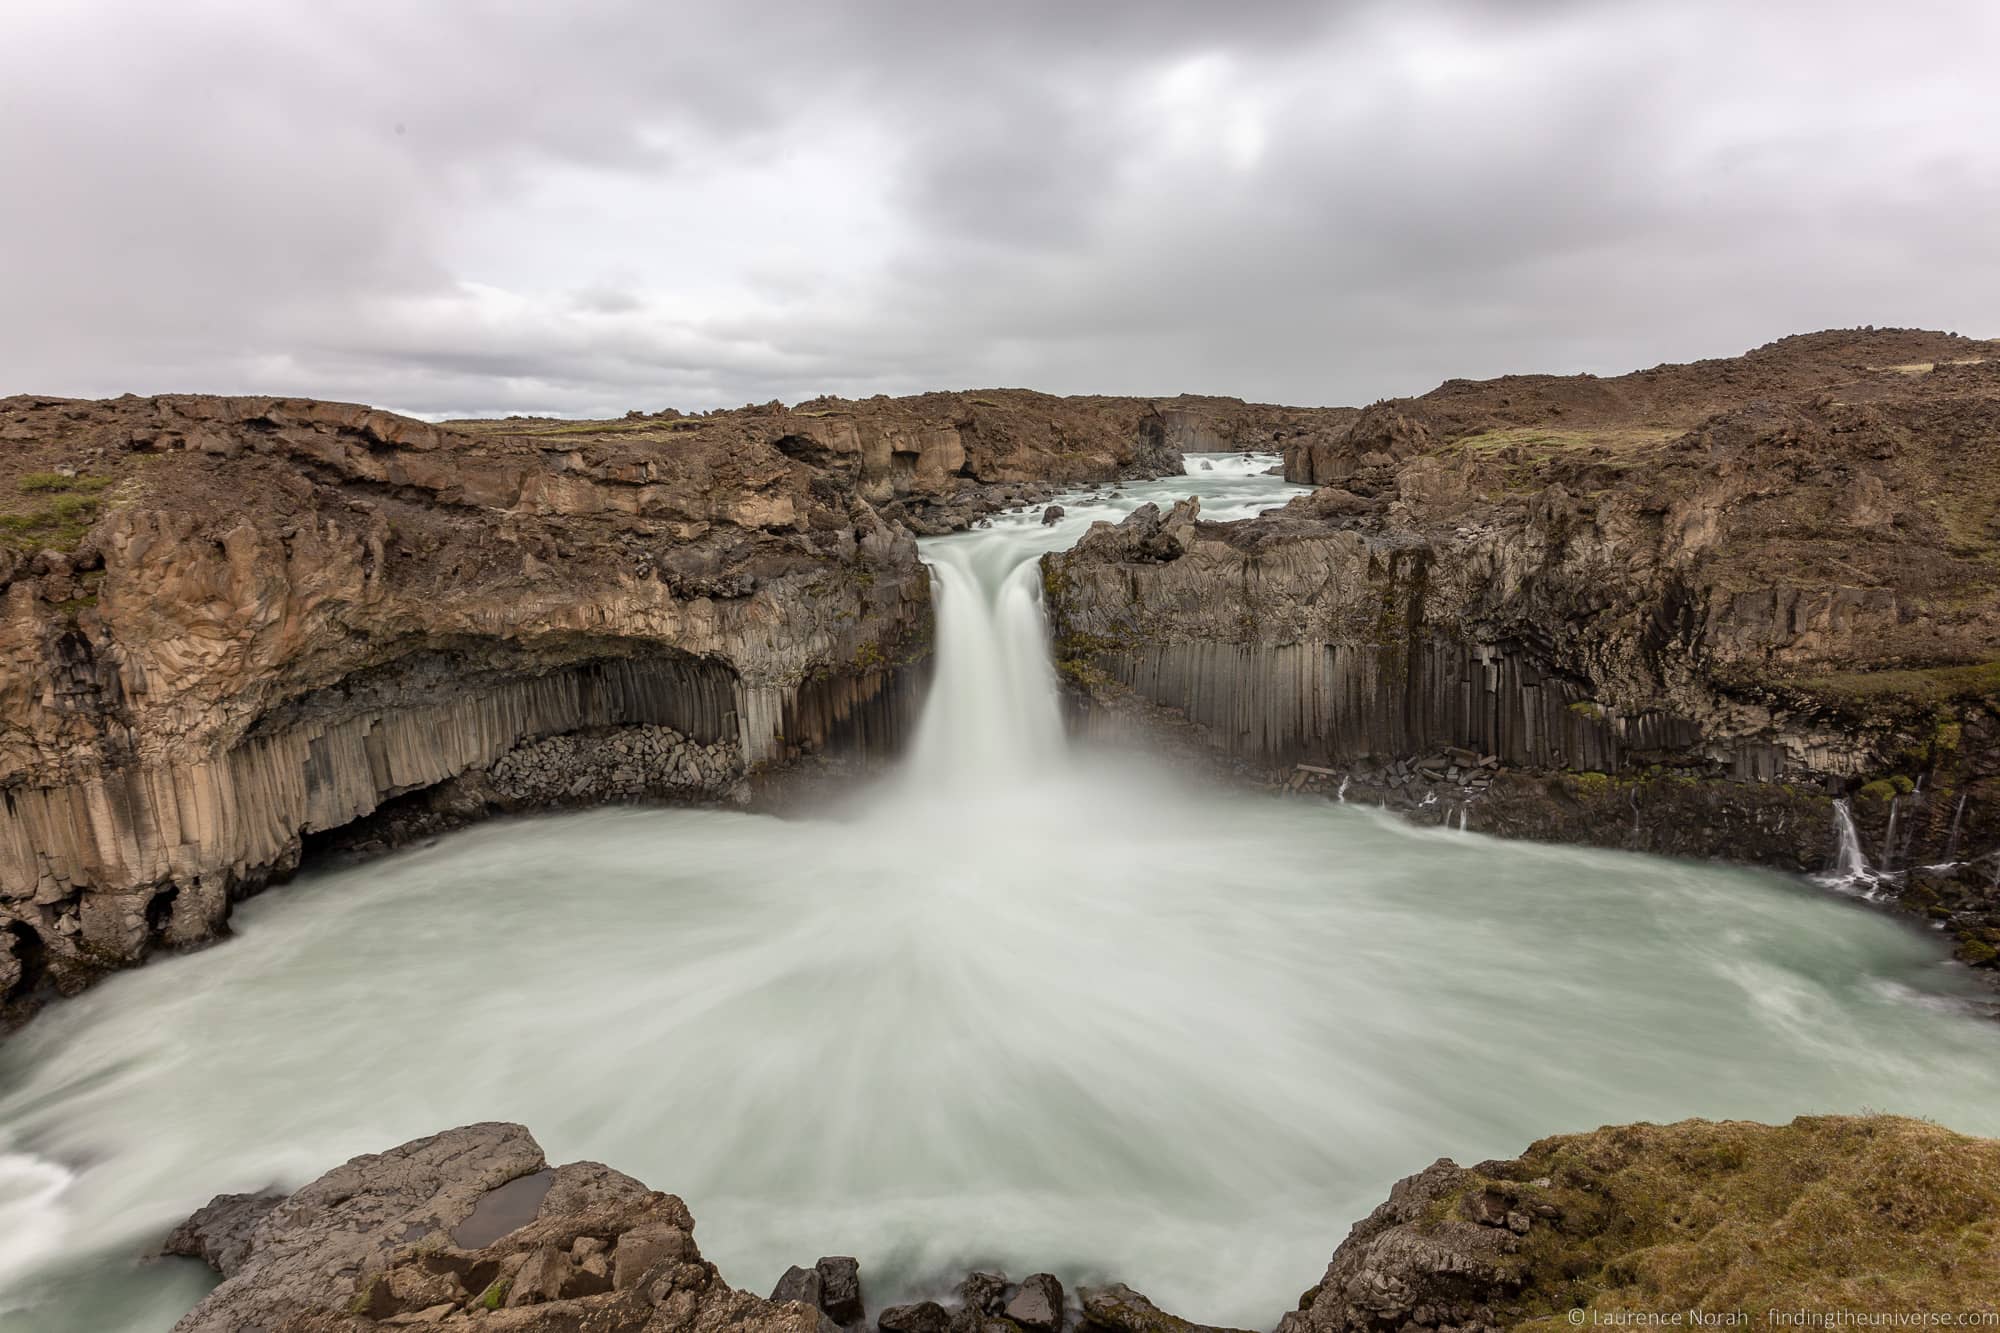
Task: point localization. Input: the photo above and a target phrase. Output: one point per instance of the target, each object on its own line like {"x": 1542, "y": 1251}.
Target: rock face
{"x": 229, "y": 624}
{"x": 935, "y": 461}
{"x": 384, "y": 1242}
{"x": 1776, "y": 578}
{"x": 1826, "y": 1213}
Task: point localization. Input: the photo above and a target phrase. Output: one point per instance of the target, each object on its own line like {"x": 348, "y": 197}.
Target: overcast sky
{"x": 449, "y": 206}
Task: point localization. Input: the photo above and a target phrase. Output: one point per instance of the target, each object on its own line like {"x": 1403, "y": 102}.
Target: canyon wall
{"x": 1670, "y": 616}
{"x": 231, "y": 627}
{"x": 233, "y": 624}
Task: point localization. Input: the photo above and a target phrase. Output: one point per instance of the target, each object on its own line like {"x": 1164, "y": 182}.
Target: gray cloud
{"x": 481, "y": 207}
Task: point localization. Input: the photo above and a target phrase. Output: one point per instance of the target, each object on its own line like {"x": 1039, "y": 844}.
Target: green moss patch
{"x": 53, "y": 511}
{"x": 1828, "y": 1212}
{"x": 1543, "y": 442}
{"x": 55, "y": 481}
{"x": 1933, "y": 685}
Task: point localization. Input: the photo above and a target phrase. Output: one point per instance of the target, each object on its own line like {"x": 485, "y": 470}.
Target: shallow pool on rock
{"x": 1016, "y": 1007}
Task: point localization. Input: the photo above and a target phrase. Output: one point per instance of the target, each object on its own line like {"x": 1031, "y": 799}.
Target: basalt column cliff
{"x": 1686, "y": 611}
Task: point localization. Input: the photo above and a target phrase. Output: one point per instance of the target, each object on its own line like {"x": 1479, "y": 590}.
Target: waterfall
{"x": 1889, "y": 838}
{"x": 1957, "y": 814}
{"x": 1850, "y": 872}
{"x": 1003, "y": 1003}
{"x": 993, "y": 718}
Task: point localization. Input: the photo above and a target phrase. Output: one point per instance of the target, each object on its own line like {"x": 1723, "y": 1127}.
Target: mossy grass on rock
{"x": 1828, "y": 1213}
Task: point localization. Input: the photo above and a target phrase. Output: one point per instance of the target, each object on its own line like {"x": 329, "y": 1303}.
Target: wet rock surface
{"x": 264, "y": 619}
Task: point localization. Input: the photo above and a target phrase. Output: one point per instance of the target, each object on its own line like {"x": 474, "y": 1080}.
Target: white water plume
{"x": 993, "y": 722}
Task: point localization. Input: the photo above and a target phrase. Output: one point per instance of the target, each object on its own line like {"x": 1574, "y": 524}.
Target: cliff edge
{"x": 1683, "y": 611}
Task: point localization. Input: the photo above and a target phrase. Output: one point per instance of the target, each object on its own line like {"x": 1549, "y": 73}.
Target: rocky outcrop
{"x": 938, "y": 461}
{"x": 1826, "y": 1214}
{"x": 1782, "y": 600}
{"x": 470, "y": 1228}
{"x": 230, "y": 625}
{"x": 473, "y": 1228}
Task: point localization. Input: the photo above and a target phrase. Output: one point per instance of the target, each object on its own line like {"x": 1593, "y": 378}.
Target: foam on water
{"x": 33, "y": 1224}
{"x": 1017, "y": 1007}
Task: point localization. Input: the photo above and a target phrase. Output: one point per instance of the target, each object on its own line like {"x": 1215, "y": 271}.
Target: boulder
{"x": 372, "y": 1241}
{"x": 840, "y": 1289}
{"x": 1037, "y": 1305}
{"x": 219, "y": 1233}
{"x": 799, "y": 1284}
{"x": 923, "y": 1317}
{"x": 1399, "y": 1259}
{"x": 983, "y": 1292}
{"x": 1119, "y": 1309}
{"x": 1143, "y": 536}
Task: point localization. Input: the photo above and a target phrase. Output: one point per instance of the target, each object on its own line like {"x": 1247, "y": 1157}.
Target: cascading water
{"x": 1850, "y": 872}
{"x": 992, "y": 722}
{"x": 1021, "y": 1006}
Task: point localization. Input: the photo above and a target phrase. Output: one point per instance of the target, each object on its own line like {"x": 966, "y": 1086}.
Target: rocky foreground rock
{"x": 467, "y": 1227}
{"x": 473, "y": 1229}
{"x": 1681, "y": 611}
{"x": 1829, "y": 1214}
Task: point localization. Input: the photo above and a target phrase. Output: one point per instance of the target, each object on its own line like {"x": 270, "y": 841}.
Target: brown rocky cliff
{"x": 935, "y": 460}
{"x": 1785, "y": 600}
{"x": 232, "y": 623}
{"x": 229, "y": 623}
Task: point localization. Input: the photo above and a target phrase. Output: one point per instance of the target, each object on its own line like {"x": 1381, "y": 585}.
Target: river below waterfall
{"x": 1018, "y": 1006}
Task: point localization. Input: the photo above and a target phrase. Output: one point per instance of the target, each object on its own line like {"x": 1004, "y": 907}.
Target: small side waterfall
{"x": 1850, "y": 871}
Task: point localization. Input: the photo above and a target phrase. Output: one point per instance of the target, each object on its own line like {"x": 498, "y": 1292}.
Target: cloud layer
{"x": 473, "y": 206}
